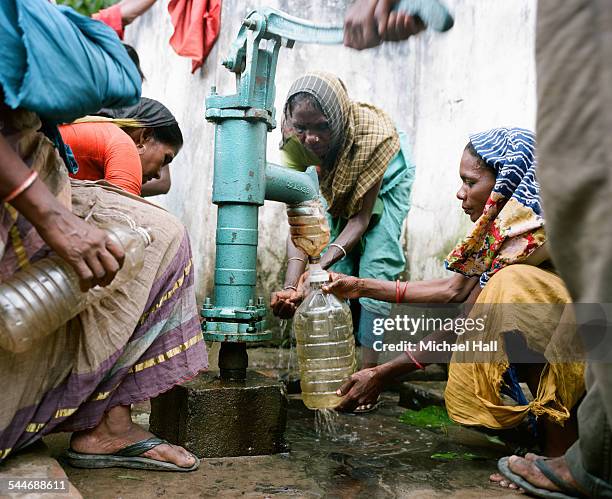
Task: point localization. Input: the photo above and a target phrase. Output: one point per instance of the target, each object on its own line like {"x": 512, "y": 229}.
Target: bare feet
{"x": 117, "y": 431}
{"x": 530, "y": 472}
{"x": 502, "y": 481}
{"x": 527, "y": 469}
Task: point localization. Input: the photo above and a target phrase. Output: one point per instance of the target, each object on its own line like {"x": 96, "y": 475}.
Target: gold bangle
{"x": 21, "y": 188}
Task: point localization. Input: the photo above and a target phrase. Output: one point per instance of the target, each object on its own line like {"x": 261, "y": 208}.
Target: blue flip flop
{"x": 128, "y": 457}
{"x": 567, "y": 490}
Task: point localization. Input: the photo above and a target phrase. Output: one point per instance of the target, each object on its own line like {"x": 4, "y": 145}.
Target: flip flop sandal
{"x": 128, "y": 457}
{"x": 365, "y": 408}
{"x": 567, "y": 490}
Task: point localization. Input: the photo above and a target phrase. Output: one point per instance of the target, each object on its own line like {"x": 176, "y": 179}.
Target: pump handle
{"x": 433, "y": 13}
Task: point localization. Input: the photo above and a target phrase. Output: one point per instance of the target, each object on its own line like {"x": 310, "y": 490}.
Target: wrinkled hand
{"x": 363, "y": 387}
{"x": 370, "y": 22}
{"x": 95, "y": 258}
{"x": 344, "y": 286}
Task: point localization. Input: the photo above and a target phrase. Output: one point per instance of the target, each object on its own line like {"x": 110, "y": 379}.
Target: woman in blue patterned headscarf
{"x": 510, "y": 227}
{"x": 503, "y": 276}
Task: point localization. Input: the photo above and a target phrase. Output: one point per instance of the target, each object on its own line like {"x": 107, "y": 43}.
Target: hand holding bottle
{"x": 344, "y": 286}
{"x": 93, "y": 255}
{"x": 362, "y": 388}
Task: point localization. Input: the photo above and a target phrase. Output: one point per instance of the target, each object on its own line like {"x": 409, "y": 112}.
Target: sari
{"x": 135, "y": 343}
{"x": 516, "y": 297}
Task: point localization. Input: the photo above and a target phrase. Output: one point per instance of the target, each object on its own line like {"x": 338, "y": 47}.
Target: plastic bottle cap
{"x": 317, "y": 274}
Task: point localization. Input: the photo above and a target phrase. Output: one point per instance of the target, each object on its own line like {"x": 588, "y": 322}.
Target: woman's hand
{"x": 92, "y": 254}
{"x": 344, "y": 286}
{"x": 284, "y": 303}
{"x": 362, "y": 388}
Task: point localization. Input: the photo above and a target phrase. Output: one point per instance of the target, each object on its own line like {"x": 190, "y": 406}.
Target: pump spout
{"x": 290, "y": 186}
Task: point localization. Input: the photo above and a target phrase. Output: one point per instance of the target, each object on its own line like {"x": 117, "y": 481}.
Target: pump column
{"x": 238, "y": 191}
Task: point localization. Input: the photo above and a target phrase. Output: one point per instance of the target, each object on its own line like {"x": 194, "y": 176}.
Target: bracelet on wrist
{"x": 340, "y": 247}
{"x": 403, "y": 293}
{"x": 414, "y": 361}
{"x": 25, "y": 185}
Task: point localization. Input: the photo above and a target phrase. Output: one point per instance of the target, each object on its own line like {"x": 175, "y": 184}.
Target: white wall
{"x": 437, "y": 87}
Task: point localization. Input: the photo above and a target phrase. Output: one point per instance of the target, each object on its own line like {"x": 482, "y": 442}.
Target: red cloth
{"x": 111, "y": 17}
{"x": 104, "y": 151}
{"x": 196, "y": 28}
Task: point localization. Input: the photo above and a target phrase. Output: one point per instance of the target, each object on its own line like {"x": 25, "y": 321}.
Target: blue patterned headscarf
{"x": 511, "y": 226}
{"x": 511, "y": 153}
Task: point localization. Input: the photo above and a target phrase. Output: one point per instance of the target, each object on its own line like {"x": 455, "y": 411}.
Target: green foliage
{"x": 431, "y": 417}
{"x": 87, "y": 7}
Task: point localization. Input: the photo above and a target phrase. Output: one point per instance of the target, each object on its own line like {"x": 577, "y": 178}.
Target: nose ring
{"x": 317, "y": 139}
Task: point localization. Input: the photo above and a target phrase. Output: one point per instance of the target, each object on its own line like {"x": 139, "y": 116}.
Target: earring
{"x": 141, "y": 149}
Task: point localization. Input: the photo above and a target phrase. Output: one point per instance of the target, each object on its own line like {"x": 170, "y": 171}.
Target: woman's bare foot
{"x": 526, "y": 468}
{"x": 116, "y": 431}
{"x": 502, "y": 481}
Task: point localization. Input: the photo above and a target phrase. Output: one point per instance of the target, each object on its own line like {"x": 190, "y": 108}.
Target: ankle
{"x": 115, "y": 422}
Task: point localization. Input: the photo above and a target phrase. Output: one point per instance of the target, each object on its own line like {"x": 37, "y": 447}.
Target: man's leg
{"x": 590, "y": 458}
{"x": 574, "y": 61}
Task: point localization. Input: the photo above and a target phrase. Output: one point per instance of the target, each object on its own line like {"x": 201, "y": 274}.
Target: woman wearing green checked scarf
{"x": 366, "y": 179}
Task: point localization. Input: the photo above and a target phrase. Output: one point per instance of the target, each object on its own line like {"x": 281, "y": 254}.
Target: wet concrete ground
{"x": 371, "y": 456}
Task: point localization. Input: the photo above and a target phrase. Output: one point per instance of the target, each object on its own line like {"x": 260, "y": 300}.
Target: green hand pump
{"x": 243, "y": 179}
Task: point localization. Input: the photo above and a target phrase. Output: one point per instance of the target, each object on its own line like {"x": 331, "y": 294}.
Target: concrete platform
{"x": 216, "y": 418}
{"x": 32, "y": 465}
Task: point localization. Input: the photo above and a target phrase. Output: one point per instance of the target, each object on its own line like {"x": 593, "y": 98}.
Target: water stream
{"x": 326, "y": 423}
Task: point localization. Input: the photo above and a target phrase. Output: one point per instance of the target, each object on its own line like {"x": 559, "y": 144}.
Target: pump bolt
{"x": 260, "y": 301}
{"x": 250, "y": 24}
{"x": 207, "y": 303}
{"x": 213, "y": 90}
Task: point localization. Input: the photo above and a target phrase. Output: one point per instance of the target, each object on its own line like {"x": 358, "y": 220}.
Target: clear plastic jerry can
{"x": 323, "y": 330}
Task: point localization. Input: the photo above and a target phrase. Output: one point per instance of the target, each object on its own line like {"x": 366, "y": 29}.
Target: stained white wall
{"x": 438, "y": 88}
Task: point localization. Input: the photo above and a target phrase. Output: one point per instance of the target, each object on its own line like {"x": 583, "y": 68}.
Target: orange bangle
{"x": 403, "y": 295}
{"x": 414, "y": 361}
{"x": 21, "y": 188}
{"x": 397, "y": 291}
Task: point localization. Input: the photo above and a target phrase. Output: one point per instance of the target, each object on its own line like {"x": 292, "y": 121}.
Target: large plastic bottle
{"x": 308, "y": 227}
{"x": 325, "y": 345}
{"x": 39, "y": 299}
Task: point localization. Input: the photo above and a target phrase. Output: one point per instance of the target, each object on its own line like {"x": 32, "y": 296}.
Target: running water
{"x": 279, "y": 364}
{"x": 326, "y": 423}
{"x": 287, "y": 362}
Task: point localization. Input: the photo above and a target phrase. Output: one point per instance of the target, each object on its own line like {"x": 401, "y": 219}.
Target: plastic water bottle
{"x": 39, "y": 299}
{"x": 325, "y": 345}
{"x": 308, "y": 227}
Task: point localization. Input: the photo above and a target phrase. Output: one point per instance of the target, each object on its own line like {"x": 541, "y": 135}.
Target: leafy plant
{"x": 87, "y": 7}
{"x": 430, "y": 417}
